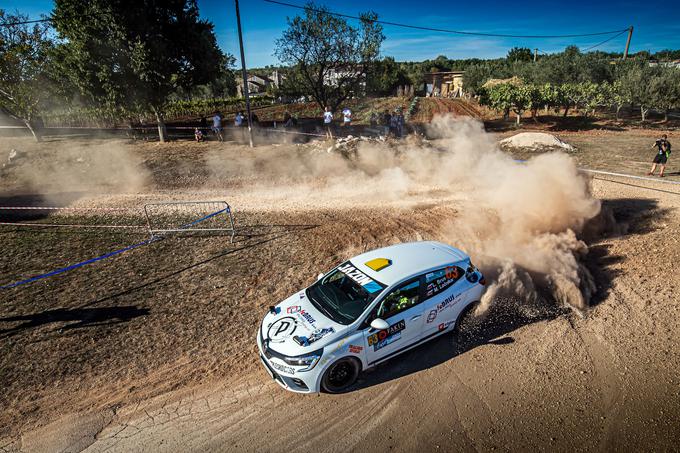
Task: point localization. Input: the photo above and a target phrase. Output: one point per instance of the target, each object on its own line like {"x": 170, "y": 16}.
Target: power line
{"x": 605, "y": 41}
{"x": 443, "y": 30}
{"x": 12, "y": 24}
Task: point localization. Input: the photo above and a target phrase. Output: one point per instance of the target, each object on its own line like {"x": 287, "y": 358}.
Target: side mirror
{"x": 379, "y": 324}
{"x": 319, "y": 277}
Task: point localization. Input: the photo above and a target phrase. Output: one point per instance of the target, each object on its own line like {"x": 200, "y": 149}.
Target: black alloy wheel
{"x": 339, "y": 376}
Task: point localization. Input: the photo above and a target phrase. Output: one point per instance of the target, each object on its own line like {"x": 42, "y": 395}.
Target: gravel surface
{"x": 154, "y": 350}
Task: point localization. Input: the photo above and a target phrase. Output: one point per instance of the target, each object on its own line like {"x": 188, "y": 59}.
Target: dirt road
{"x": 154, "y": 351}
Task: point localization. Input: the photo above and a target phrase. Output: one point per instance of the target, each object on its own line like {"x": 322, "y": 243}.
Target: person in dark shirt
{"x": 663, "y": 147}
{"x": 386, "y": 121}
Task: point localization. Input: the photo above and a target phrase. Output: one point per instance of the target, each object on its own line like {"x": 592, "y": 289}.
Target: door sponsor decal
{"x": 281, "y": 329}
{"x": 359, "y": 277}
{"x": 446, "y": 303}
{"x": 315, "y": 336}
{"x": 384, "y": 337}
{"x": 444, "y": 325}
{"x": 355, "y": 349}
{"x": 432, "y": 315}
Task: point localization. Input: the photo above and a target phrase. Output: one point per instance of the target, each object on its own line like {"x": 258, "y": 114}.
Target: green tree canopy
{"x": 519, "y": 54}
{"x": 384, "y": 76}
{"x": 329, "y": 58}
{"x": 25, "y": 57}
{"x": 135, "y": 54}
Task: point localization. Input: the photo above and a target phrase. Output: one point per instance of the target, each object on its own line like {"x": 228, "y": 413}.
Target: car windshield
{"x": 344, "y": 293}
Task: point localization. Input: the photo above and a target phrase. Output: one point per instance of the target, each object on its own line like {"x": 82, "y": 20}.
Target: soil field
{"x": 154, "y": 349}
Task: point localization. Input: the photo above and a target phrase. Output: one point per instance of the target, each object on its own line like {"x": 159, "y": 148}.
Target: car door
{"x": 444, "y": 296}
{"x": 402, "y": 309}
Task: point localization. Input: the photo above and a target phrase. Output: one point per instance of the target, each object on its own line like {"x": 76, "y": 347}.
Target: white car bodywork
{"x": 298, "y": 341}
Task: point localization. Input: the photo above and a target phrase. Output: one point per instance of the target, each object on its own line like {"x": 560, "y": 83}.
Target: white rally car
{"x": 367, "y": 310}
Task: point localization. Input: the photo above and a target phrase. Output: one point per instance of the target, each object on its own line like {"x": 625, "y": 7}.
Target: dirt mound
{"x": 535, "y": 141}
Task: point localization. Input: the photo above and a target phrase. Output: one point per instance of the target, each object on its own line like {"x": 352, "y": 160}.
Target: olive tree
{"x": 135, "y": 54}
{"x": 329, "y": 57}
{"x": 24, "y": 60}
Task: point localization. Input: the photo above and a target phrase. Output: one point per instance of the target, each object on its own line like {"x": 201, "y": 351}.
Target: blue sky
{"x": 657, "y": 25}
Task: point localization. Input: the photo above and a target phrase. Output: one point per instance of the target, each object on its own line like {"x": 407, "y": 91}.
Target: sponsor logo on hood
{"x": 282, "y": 329}
{"x": 315, "y": 336}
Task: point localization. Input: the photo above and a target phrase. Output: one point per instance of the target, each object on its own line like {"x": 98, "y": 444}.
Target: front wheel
{"x": 340, "y": 375}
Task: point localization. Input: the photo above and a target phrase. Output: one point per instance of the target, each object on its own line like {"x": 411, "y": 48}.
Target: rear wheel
{"x": 467, "y": 325}
{"x": 340, "y": 375}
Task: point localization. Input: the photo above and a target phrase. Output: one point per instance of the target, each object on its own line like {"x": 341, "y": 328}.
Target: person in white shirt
{"x": 328, "y": 122}
{"x": 346, "y": 116}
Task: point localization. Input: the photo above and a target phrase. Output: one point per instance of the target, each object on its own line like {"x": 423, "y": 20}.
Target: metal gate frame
{"x": 189, "y": 226}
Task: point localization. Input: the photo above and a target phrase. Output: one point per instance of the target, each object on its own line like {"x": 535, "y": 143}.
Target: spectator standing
{"x": 288, "y": 121}
{"x": 386, "y": 121}
{"x": 217, "y": 126}
{"x": 373, "y": 120}
{"x": 346, "y": 117}
{"x": 238, "y": 119}
{"x": 663, "y": 147}
{"x": 400, "y": 122}
{"x": 328, "y": 122}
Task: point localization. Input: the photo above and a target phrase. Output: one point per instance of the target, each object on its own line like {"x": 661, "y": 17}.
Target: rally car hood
{"x": 295, "y": 327}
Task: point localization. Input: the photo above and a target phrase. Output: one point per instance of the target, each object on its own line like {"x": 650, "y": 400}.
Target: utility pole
{"x": 630, "y": 35}
{"x": 245, "y": 76}
{"x": 535, "y": 54}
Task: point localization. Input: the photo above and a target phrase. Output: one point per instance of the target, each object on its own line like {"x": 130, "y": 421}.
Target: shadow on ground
{"x": 75, "y": 318}
{"x": 492, "y": 328}
{"x": 619, "y": 217}
{"x": 33, "y": 200}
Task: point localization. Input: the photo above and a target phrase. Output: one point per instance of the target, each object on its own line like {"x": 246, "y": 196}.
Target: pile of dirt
{"x": 535, "y": 141}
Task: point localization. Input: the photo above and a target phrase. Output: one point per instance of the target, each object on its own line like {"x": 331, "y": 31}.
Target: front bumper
{"x": 295, "y": 381}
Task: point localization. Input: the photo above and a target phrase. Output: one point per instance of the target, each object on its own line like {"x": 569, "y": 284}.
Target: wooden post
{"x": 245, "y": 76}
{"x": 630, "y": 35}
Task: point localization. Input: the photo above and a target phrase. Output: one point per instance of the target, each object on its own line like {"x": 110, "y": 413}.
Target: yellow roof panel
{"x": 378, "y": 263}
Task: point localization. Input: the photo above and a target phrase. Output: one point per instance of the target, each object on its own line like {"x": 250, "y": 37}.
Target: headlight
{"x": 309, "y": 360}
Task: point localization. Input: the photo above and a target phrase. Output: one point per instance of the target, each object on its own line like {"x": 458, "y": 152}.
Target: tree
{"x": 475, "y": 77}
{"x": 508, "y": 96}
{"x": 665, "y": 90}
{"x": 519, "y": 54}
{"x": 24, "y": 59}
{"x": 135, "y": 54}
{"x": 384, "y": 76}
{"x": 636, "y": 86}
{"x": 551, "y": 95}
{"x": 329, "y": 58}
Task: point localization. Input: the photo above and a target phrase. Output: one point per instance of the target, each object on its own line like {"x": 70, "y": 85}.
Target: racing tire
{"x": 467, "y": 326}
{"x": 340, "y": 375}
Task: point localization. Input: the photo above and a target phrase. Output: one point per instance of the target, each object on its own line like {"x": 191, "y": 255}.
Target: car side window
{"x": 441, "y": 279}
{"x": 402, "y": 298}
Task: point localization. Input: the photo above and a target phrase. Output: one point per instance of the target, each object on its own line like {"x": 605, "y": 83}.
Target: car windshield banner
{"x": 364, "y": 280}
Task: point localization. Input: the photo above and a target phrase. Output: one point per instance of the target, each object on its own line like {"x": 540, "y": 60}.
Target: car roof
{"x": 407, "y": 259}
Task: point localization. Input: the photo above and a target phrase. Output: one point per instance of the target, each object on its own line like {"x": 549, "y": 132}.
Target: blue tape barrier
{"x": 106, "y": 255}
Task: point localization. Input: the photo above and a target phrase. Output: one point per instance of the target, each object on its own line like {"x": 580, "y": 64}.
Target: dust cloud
{"x": 61, "y": 171}
{"x": 519, "y": 221}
